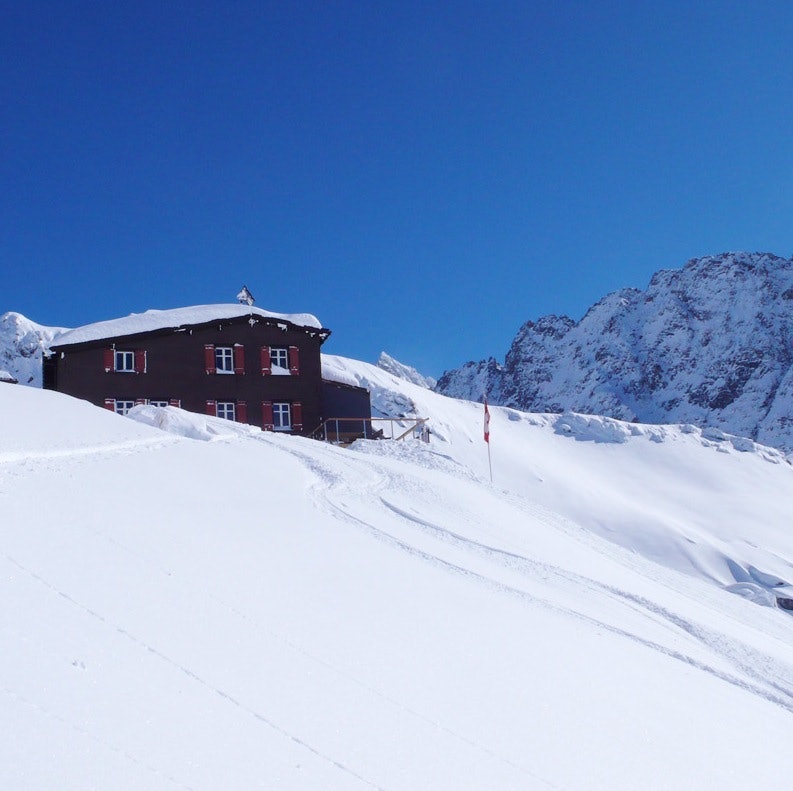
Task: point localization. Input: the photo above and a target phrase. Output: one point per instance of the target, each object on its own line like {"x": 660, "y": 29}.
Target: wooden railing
{"x": 344, "y": 430}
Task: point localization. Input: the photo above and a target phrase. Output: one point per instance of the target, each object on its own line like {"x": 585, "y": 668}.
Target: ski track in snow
{"x": 294, "y": 647}
{"x": 774, "y": 683}
{"x": 104, "y": 743}
{"x": 763, "y": 675}
{"x": 403, "y": 496}
{"x": 110, "y": 449}
{"x": 329, "y": 480}
{"x": 739, "y": 654}
{"x": 327, "y": 477}
{"x": 143, "y": 645}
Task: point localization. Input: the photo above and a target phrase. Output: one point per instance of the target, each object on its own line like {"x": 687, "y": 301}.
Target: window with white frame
{"x": 279, "y": 359}
{"x": 226, "y": 410}
{"x": 224, "y": 359}
{"x": 122, "y": 407}
{"x": 282, "y": 418}
{"x": 158, "y": 402}
{"x": 125, "y": 362}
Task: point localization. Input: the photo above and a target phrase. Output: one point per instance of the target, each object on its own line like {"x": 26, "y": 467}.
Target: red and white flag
{"x": 487, "y": 422}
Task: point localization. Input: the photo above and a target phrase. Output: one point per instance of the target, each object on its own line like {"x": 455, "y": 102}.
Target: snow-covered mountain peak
{"x": 762, "y": 261}
{"x": 22, "y": 344}
{"x": 406, "y": 372}
{"x": 550, "y": 326}
{"x": 709, "y": 344}
{"x": 617, "y": 301}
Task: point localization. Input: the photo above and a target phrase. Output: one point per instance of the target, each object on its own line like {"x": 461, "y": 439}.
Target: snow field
{"x": 261, "y": 611}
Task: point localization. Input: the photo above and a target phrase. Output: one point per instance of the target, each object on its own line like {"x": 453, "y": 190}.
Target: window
{"x": 224, "y": 359}
{"x": 158, "y": 402}
{"x": 226, "y": 410}
{"x": 279, "y": 359}
{"x": 281, "y": 416}
{"x": 122, "y": 407}
{"x": 125, "y": 362}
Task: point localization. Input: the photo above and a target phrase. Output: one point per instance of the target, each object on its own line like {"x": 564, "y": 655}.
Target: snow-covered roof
{"x": 177, "y": 317}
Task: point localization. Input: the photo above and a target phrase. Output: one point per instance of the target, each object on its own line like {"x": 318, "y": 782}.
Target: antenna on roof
{"x": 245, "y": 297}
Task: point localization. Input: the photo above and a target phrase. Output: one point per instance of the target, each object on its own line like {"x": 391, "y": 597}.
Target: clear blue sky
{"x": 422, "y": 176}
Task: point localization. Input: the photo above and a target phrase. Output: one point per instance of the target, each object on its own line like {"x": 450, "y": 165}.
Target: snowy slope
{"x": 709, "y": 344}
{"x": 678, "y": 526}
{"x": 246, "y": 610}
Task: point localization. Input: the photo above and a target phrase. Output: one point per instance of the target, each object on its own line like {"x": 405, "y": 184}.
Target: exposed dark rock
{"x": 710, "y": 344}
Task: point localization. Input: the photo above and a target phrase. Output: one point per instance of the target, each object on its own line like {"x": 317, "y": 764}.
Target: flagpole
{"x": 487, "y": 438}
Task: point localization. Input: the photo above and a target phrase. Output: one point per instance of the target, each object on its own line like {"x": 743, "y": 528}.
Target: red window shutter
{"x": 140, "y": 361}
{"x": 267, "y": 366}
{"x": 109, "y": 361}
{"x": 242, "y": 411}
{"x": 175, "y": 402}
{"x": 212, "y": 408}
{"x": 294, "y": 360}
{"x": 110, "y": 403}
{"x": 267, "y": 415}
{"x": 209, "y": 358}
{"x": 239, "y": 358}
{"x": 297, "y": 416}
{"x": 139, "y": 401}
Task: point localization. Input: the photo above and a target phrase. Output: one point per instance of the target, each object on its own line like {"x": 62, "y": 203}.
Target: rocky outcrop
{"x": 709, "y": 344}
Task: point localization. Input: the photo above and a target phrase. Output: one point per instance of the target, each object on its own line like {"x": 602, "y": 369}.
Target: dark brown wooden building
{"x": 232, "y": 361}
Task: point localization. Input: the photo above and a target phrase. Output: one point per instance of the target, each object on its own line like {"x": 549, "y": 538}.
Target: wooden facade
{"x": 249, "y": 368}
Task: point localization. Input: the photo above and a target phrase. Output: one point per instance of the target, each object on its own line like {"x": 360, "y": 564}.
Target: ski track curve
{"x": 736, "y": 652}
{"x": 326, "y": 478}
{"x": 332, "y": 493}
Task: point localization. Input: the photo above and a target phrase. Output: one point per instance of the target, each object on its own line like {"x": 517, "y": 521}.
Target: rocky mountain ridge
{"x": 709, "y": 344}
